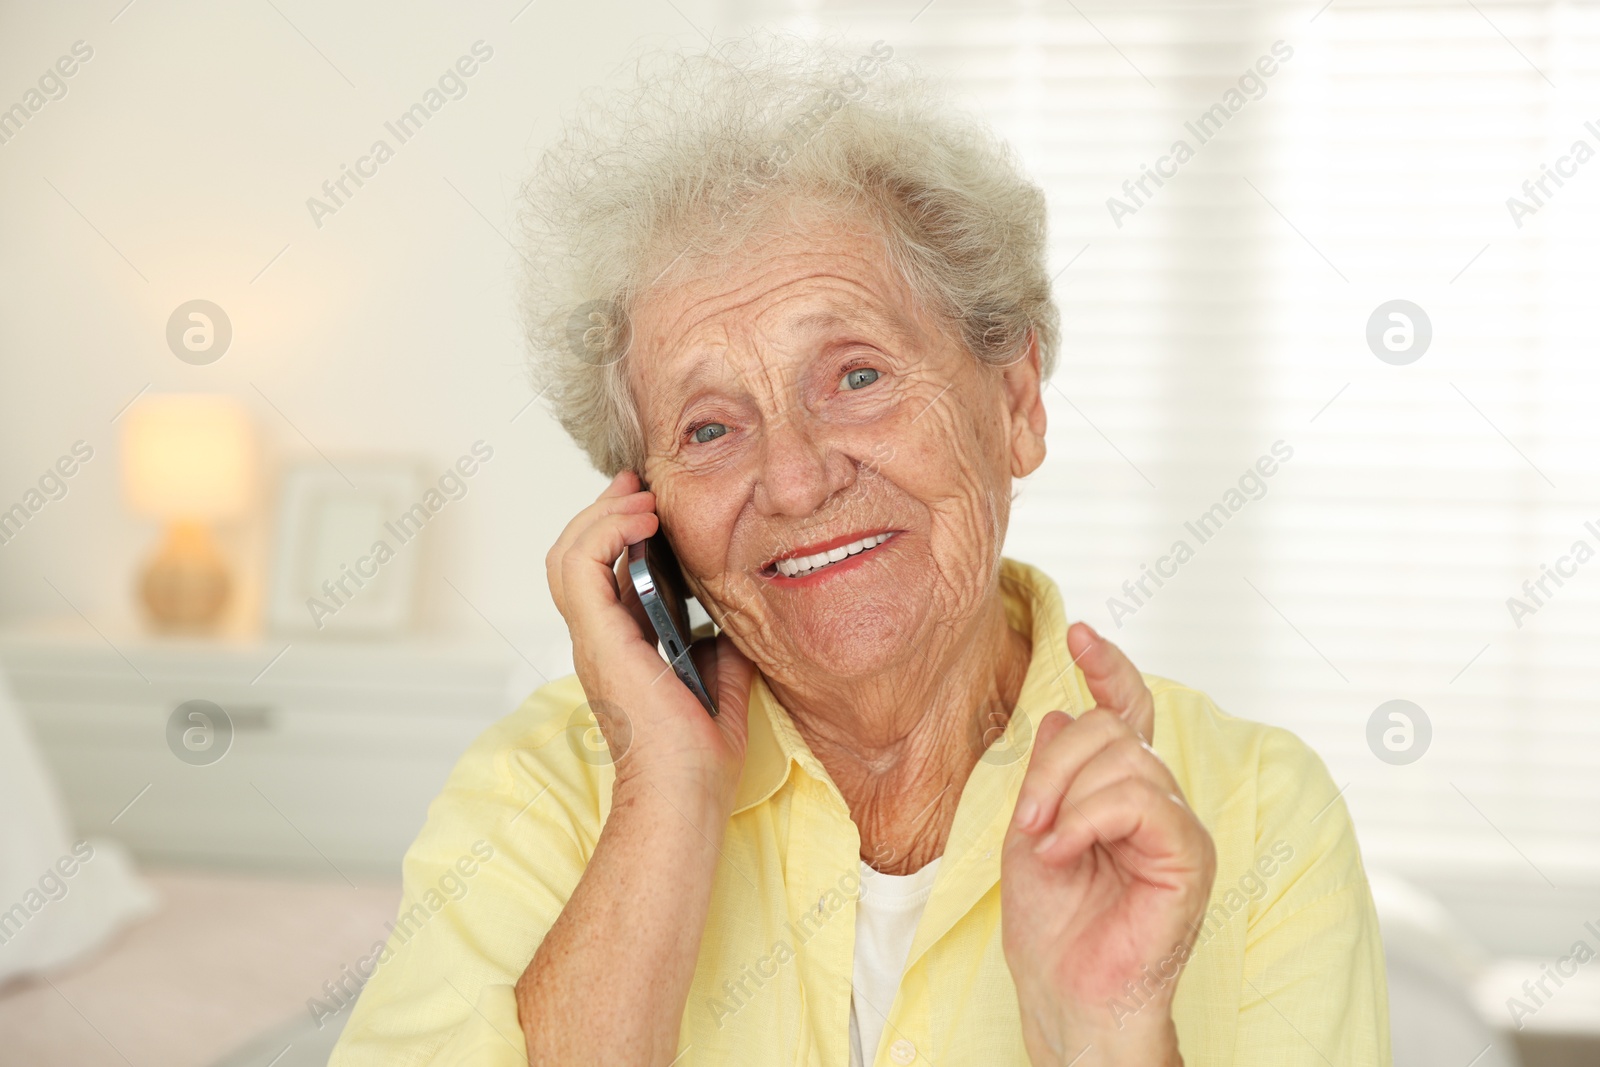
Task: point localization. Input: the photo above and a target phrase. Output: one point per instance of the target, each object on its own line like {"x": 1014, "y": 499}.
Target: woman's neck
{"x": 901, "y": 744}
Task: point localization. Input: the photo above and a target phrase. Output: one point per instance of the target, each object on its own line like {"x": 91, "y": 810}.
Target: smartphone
{"x": 661, "y": 588}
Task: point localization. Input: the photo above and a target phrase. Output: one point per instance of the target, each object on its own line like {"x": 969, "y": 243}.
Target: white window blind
{"x": 1229, "y": 311}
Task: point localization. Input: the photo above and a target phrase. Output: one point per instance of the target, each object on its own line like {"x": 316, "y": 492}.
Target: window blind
{"x": 1227, "y": 314}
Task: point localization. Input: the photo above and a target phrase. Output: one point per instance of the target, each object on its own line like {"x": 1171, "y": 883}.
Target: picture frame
{"x": 341, "y": 565}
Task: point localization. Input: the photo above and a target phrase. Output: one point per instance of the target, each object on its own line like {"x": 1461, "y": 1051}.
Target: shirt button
{"x": 903, "y": 1052}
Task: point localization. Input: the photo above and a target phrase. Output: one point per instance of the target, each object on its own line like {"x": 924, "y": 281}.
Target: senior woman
{"x": 931, "y": 821}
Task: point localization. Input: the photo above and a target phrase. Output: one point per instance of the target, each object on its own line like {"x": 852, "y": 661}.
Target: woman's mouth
{"x": 818, "y": 558}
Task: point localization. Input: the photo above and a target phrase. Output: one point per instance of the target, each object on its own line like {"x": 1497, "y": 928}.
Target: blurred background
{"x": 257, "y": 287}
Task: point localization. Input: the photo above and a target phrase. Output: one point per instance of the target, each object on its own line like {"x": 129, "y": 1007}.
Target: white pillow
{"x": 61, "y": 897}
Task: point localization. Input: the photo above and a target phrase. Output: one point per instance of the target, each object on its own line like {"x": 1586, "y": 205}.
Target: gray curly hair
{"x": 690, "y": 160}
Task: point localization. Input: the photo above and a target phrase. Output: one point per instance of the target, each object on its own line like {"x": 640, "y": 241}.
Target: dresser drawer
{"x": 326, "y": 762}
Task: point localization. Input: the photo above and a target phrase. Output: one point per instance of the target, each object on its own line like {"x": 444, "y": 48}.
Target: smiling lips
{"x": 799, "y": 566}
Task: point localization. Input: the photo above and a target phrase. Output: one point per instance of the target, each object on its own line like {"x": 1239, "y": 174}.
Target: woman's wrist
{"x": 1060, "y": 1039}
{"x": 701, "y": 800}
{"x": 1154, "y": 1051}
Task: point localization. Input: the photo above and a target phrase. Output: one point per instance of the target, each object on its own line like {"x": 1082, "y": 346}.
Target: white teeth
{"x": 796, "y": 566}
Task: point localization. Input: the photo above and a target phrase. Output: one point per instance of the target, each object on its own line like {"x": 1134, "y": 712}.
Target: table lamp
{"x": 187, "y": 460}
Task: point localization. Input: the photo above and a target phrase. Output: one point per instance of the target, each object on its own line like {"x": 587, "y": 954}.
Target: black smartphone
{"x": 659, "y": 582}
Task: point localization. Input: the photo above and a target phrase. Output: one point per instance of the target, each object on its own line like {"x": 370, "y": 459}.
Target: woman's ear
{"x": 1025, "y": 415}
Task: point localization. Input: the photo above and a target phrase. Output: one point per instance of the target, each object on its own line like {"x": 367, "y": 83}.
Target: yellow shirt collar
{"x": 1033, "y": 608}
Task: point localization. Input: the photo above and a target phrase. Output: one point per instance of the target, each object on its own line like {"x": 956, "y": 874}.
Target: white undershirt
{"x": 886, "y": 922}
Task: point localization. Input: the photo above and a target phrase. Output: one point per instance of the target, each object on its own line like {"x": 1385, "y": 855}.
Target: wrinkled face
{"x": 830, "y": 463}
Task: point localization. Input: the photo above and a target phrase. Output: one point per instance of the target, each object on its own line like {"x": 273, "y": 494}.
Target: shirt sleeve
{"x": 502, "y": 850}
{"x": 1314, "y": 992}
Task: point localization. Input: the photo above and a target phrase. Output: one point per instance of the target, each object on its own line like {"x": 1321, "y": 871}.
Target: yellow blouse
{"x": 1288, "y": 969}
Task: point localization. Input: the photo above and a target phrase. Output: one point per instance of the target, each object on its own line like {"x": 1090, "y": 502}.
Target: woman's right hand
{"x": 657, "y": 730}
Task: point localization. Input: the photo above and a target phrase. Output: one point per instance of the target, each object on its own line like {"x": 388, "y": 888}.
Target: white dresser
{"x": 336, "y": 749}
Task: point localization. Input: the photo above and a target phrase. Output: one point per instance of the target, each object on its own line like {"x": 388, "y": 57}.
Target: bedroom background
{"x": 1339, "y": 345}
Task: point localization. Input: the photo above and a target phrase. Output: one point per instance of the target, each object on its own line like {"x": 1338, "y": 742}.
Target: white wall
{"x": 190, "y": 143}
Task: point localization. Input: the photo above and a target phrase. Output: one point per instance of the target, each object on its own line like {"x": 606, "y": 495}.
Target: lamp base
{"x": 185, "y": 586}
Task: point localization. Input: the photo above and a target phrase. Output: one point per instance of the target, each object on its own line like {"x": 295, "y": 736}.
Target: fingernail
{"x": 1028, "y": 814}
{"x": 1048, "y": 840}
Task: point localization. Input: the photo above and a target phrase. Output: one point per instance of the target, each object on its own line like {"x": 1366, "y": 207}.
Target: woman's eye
{"x": 859, "y": 378}
{"x": 709, "y": 432}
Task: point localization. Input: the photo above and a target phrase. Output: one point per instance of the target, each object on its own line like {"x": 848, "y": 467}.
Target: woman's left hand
{"x": 1105, "y": 875}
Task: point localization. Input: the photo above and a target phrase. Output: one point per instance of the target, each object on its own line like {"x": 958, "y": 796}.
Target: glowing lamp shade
{"x": 187, "y": 460}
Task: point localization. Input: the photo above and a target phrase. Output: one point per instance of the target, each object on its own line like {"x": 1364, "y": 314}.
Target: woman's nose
{"x": 796, "y": 475}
